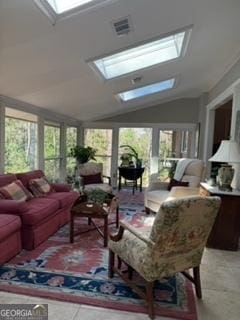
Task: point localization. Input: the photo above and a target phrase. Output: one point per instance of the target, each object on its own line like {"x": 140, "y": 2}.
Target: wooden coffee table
{"x": 94, "y": 211}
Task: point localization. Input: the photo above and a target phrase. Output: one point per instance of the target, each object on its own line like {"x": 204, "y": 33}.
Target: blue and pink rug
{"x": 78, "y": 272}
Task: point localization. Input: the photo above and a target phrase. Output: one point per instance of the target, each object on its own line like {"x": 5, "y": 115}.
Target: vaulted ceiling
{"x": 45, "y": 65}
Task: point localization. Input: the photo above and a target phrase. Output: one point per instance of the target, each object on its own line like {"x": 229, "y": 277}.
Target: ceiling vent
{"x": 122, "y": 26}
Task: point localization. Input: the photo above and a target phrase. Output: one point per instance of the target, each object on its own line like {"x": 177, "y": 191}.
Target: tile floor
{"x": 220, "y": 274}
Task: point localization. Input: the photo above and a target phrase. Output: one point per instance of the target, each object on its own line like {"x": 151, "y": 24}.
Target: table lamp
{"x": 227, "y": 152}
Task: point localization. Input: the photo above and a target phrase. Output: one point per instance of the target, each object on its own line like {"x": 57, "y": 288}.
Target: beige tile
{"x": 232, "y": 258}
{"x": 6, "y": 297}
{"x": 214, "y": 257}
{"x": 217, "y": 305}
{"x": 218, "y": 278}
{"x": 93, "y": 313}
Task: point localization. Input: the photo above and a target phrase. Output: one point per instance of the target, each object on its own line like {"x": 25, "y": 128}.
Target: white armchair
{"x": 157, "y": 191}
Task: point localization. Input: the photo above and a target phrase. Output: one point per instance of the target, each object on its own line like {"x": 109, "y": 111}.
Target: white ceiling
{"x": 45, "y": 65}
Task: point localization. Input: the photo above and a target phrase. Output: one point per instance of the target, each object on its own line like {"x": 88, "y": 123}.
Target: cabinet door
{"x": 225, "y": 232}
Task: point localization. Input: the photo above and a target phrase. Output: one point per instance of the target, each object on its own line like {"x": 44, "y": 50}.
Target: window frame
{"x": 92, "y": 62}
{"x": 60, "y": 158}
{"x": 101, "y": 155}
{"x": 49, "y": 11}
{"x": 34, "y": 120}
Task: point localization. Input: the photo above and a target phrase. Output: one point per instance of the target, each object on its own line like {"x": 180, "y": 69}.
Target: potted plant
{"x": 129, "y": 155}
{"x": 83, "y": 154}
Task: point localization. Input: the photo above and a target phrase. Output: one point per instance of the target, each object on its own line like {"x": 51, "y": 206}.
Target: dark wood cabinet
{"x": 226, "y": 230}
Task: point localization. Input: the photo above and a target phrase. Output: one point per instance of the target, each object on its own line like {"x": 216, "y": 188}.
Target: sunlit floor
{"x": 220, "y": 272}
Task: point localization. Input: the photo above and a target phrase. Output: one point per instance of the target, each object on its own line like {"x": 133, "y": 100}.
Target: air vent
{"x": 122, "y": 26}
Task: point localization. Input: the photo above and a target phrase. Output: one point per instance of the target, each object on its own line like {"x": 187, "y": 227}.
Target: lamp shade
{"x": 228, "y": 151}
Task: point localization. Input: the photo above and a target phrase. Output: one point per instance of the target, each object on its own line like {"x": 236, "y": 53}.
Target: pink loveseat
{"x": 40, "y": 217}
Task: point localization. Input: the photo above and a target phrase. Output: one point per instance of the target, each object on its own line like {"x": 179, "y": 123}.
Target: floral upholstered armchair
{"x": 173, "y": 244}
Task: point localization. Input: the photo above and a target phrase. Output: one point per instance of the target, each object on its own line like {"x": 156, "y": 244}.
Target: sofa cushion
{"x": 15, "y": 191}
{"x": 158, "y": 196}
{"x": 65, "y": 199}
{"x": 176, "y": 183}
{"x": 40, "y": 186}
{"x": 7, "y": 179}
{"x": 92, "y": 178}
{"x": 38, "y": 209}
{"x": 27, "y": 176}
{"x": 8, "y": 225}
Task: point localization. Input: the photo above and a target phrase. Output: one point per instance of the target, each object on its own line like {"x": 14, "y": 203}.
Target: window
{"x": 147, "y": 90}
{"x": 143, "y": 56}
{"x": 57, "y": 9}
{"x": 20, "y": 141}
{"x": 141, "y": 140}
{"x": 101, "y": 140}
{"x": 52, "y": 151}
{"x": 173, "y": 145}
{"x": 60, "y": 6}
{"x": 71, "y": 141}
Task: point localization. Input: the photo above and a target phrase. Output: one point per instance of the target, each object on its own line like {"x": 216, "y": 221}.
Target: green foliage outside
{"x": 52, "y": 152}
{"x": 141, "y": 140}
{"x": 101, "y": 140}
{"x": 20, "y": 145}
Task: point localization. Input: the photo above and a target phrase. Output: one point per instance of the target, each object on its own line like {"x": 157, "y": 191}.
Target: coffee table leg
{"x": 89, "y": 221}
{"x": 72, "y": 228}
{"x": 105, "y": 233}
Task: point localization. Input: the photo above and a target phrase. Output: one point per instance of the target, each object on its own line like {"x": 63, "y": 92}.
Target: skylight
{"x": 143, "y": 56}
{"x": 147, "y": 90}
{"x": 60, "y": 6}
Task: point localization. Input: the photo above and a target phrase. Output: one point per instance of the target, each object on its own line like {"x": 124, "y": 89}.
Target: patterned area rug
{"x": 78, "y": 272}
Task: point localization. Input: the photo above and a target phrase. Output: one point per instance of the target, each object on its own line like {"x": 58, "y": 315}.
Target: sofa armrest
{"x": 157, "y": 185}
{"x": 61, "y": 187}
{"x": 181, "y": 192}
{"x": 12, "y": 206}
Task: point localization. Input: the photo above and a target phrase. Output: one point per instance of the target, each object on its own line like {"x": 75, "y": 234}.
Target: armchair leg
{"x": 147, "y": 210}
{"x": 119, "y": 265}
{"x": 197, "y": 281}
{"x": 110, "y": 264}
{"x": 130, "y": 272}
{"x": 150, "y": 299}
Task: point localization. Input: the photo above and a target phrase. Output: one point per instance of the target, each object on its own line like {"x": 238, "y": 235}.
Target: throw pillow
{"x": 40, "y": 187}
{"x": 15, "y": 191}
{"x": 91, "y": 179}
{"x": 176, "y": 183}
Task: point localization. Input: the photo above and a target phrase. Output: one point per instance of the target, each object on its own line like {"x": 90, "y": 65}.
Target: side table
{"x": 226, "y": 229}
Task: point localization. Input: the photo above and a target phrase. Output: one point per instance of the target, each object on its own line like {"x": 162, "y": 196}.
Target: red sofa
{"x": 10, "y": 236}
{"x": 40, "y": 217}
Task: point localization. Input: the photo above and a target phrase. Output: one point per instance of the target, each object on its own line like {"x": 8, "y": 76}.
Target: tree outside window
{"x": 20, "y": 143}
{"x": 52, "y": 151}
{"x": 101, "y": 140}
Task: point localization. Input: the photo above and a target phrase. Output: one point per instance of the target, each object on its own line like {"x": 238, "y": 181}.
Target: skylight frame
{"x": 187, "y": 30}
{"x": 175, "y": 80}
{"x": 50, "y": 12}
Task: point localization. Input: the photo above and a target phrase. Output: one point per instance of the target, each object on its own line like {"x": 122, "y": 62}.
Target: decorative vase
{"x": 225, "y": 176}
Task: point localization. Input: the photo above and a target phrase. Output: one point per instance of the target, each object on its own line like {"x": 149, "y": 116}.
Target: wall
{"x": 230, "y": 77}
{"x": 177, "y": 111}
